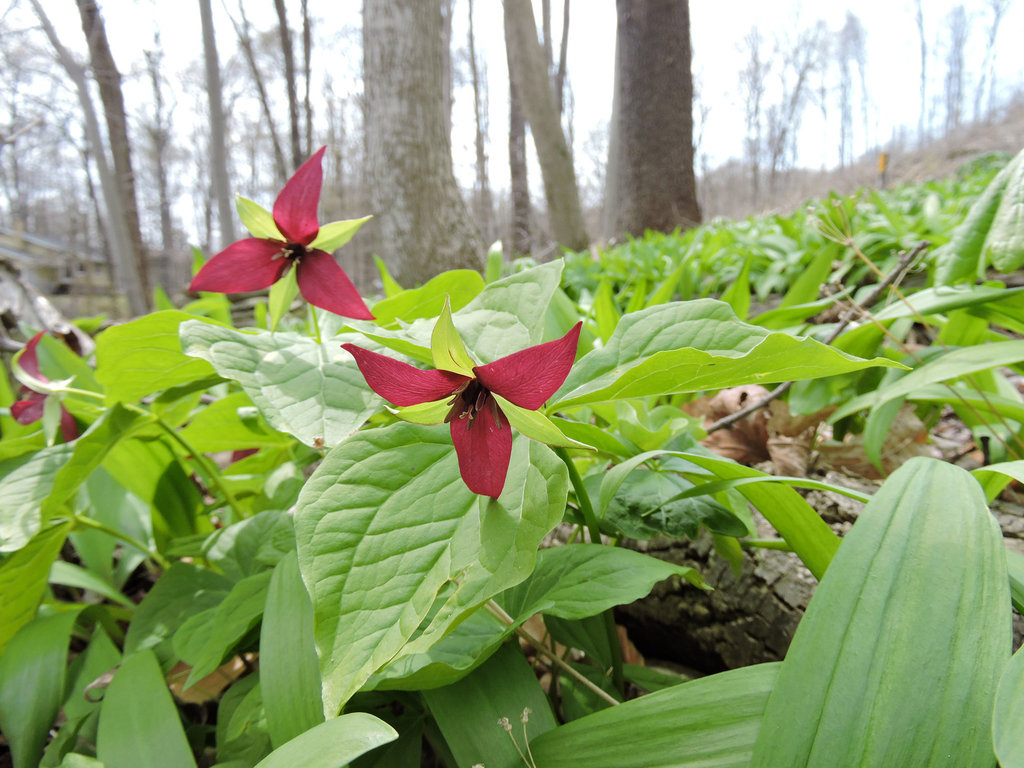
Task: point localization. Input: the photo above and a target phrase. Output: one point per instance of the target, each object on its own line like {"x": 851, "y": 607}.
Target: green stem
{"x": 780, "y": 544}
{"x": 587, "y": 509}
{"x": 316, "y": 323}
{"x": 498, "y": 612}
{"x": 88, "y": 522}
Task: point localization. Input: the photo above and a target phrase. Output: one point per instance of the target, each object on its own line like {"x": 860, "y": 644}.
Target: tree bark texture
{"x": 108, "y": 79}
{"x": 519, "y": 238}
{"x": 482, "y": 202}
{"x": 423, "y": 222}
{"x": 288, "y": 53}
{"x": 654, "y": 118}
{"x": 218, "y": 135}
{"x": 528, "y": 69}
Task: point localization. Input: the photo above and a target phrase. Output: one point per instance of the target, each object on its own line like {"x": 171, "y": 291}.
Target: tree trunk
{"x": 125, "y": 267}
{"x": 529, "y": 71}
{"x": 108, "y": 78}
{"x": 289, "y": 79}
{"x": 160, "y": 138}
{"x": 218, "y": 141}
{"x": 482, "y": 203}
{"x": 307, "y": 70}
{"x": 656, "y": 185}
{"x": 422, "y": 219}
{"x": 519, "y": 241}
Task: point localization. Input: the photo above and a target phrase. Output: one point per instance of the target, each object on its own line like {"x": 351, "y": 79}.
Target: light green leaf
{"x": 303, "y": 388}
{"x": 289, "y": 674}
{"x": 25, "y": 482}
{"x": 737, "y": 295}
{"x": 950, "y": 365}
{"x": 229, "y": 424}
{"x": 898, "y": 655}
{"x": 606, "y": 313}
{"x": 71, "y": 575}
{"x": 468, "y": 711}
{"x": 395, "y": 495}
{"x": 332, "y": 744}
{"x": 280, "y": 298}
{"x": 945, "y": 298}
{"x": 143, "y": 356}
{"x": 536, "y": 425}
{"x": 257, "y": 219}
{"x": 424, "y": 413}
{"x": 446, "y": 348}
{"x": 23, "y": 579}
{"x": 1007, "y": 734}
{"x": 711, "y": 722}
{"x": 334, "y": 235}
{"x": 1005, "y": 240}
{"x": 139, "y": 724}
{"x": 692, "y": 346}
{"x": 460, "y": 286}
{"x": 32, "y": 684}
{"x": 391, "y": 288}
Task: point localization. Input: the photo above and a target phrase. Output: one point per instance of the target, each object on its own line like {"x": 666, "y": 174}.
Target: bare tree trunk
{"x": 922, "y": 120}
{"x": 127, "y": 281}
{"x": 289, "y": 77}
{"x": 657, "y": 187}
{"x": 484, "y": 207}
{"x": 307, "y": 69}
{"x": 957, "y": 20}
{"x": 423, "y": 221}
{"x": 563, "y": 56}
{"x": 245, "y": 43}
{"x": 220, "y": 184}
{"x": 108, "y": 78}
{"x": 160, "y": 138}
{"x": 447, "y": 14}
{"x": 520, "y": 241}
{"x": 527, "y": 67}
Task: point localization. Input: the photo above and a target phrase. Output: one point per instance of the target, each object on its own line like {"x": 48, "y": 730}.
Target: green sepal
{"x": 282, "y": 294}
{"x": 334, "y": 235}
{"x": 446, "y": 347}
{"x": 257, "y": 219}
{"x": 424, "y": 413}
{"x": 536, "y": 425}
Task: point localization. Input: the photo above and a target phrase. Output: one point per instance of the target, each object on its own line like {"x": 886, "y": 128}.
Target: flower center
{"x": 469, "y": 399}
{"x": 294, "y": 252}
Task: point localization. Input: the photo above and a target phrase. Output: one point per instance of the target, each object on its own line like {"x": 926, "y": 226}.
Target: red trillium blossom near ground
{"x": 294, "y": 238}
{"x": 480, "y": 399}
{"x": 29, "y": 409}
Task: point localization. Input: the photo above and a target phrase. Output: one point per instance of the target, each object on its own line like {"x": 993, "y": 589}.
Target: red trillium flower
{"x": 480, "y": 400}
{"x": 295, "y": 237}
{"x": 29, "y": 409}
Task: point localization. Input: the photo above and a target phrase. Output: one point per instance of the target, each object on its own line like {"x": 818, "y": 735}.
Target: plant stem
{"x": 155, "y": 556}
{"x": 316, "y": 324}
{"x": 498, "y": 612}
{"x": 780, "y": 544}
{"x": 587, "y": 509}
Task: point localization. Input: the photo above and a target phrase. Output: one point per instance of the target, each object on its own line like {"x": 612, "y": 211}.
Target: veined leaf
{"x": 334, "y": 743}
{"x": 25, "y": 483}
{"x": 23, "y": 579}
{"x": 1007, "y": 734}
{"x": 460, "y": 286}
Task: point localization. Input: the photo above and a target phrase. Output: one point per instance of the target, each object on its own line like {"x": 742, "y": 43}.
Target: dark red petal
{"x": 295, "y": 207}
{"x": 400, "y": 383}
{"x": 248, "y": 265}
{"x": 530, "y": 377}
{"x": 324, "y": 284}
{"x": 484, "y": 450}
{"x": 29, "y": 410}
{"x": 68, "y": 425}
{"x": 29, "y": 359}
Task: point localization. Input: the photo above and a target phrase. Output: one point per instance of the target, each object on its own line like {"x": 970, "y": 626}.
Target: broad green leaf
{"x": 446, "y": 348}
{"x": 75, "y": 760}
{"x": 945, "y": 298}
{"x": 395, "y": 495}
{"x": 144, "y": 355}
{"x": 711, "y": 722}
{"x": 71, "y": 575}
{"x": 25, "y": 482}
{"x": 23, "y": 579}
{"x": 332, "y": 744}
{"x": 257, "y": 219}
{"x": 139, "y": 724}
{"x": 606, "y": 314}
{"x": 289, "y": 674}
{"x": 205, "y": 639}
{"x": 737, "y": 295}
{"x": 536, "y": 425}
{"x": 308, "y": 390}
{"x": 950, "y": 365}
{"x": 460, "y": 286}
{"x": 241, "y": 726}
{"x": 335, "y": 234}
{"x": 692, "y": 346}
{"x": 580, "y": 580}
{"x": 1007, "y": 733}
{"x": 32, "y": 684}
{"x": 230, "y": 424}
{"x": 280, "y": 297}
{"x": 1005, "y": 240}
{"x": 468, "y": 711}
{"x": 100, "y": 657}
{"x": 251, "y": 545}
{"x": 897, "y": 658}
{"x": 807, "y": 286}
{"x": 391, "y": 288}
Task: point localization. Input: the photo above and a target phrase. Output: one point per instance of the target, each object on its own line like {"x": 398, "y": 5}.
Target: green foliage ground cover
{"x": 242, "y": 517}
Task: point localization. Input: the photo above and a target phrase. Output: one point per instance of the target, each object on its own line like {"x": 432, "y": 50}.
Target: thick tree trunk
{"x": 482, "y": 203}
{"x": 108, "y": 78}
{"x": 520, "y": 241}
{"x": 421, "y": 217}
{"x": 218, "y": 139}
{"x": 529, "y": 71}
{"x": 654, "y": 118}
{"x": 287, "y": 52}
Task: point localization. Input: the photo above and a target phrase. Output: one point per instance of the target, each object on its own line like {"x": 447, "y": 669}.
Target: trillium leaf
{"x": 897, "y": 658}
{"x": 459, "y": 286}
{"x": 536, "y": 425}
{"x": 334, "y": 743}
{"x": 257, "y": 219}
{"x": 334, "y": 235}
{"x": 1007, "y": 734}
{"x": 303, "y": 388}
{"x": 25, "y": 483}
{"x": 23, "y": 578}
{"x": 693, "y": 346}
{"x": 446, "y": 347}
{"x": 395, "y": 495}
